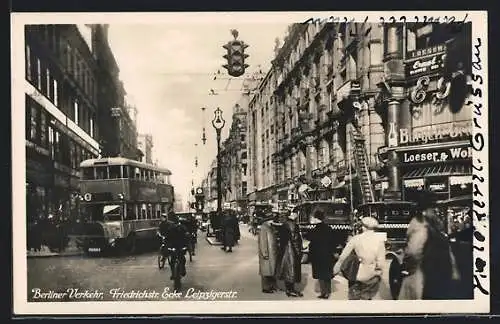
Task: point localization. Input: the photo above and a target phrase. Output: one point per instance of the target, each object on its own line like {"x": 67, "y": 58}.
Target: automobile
{"x": 337, "y": 216}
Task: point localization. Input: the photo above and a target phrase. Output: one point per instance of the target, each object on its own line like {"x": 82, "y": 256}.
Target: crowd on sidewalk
{"x": 429, "y": 267}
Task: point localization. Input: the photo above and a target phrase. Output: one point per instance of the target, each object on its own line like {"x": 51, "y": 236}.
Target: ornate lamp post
{"x": 218, "y": 123}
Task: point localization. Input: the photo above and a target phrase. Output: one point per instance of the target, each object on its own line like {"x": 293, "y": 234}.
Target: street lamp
{"x": 218, "y": 123}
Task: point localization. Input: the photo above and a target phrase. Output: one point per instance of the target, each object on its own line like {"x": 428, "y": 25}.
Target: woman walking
{"x": 291, "y": 254}
{"x": 369, "y": 249}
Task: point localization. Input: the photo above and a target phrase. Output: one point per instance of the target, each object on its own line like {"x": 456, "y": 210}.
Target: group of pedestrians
{"x": 280, "y": 254}
{"x": 429, "y": 266}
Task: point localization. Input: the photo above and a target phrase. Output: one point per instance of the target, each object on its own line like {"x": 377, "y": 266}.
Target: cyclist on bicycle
{"x": 176, "y": 236}
{"x": 192, "y": 227}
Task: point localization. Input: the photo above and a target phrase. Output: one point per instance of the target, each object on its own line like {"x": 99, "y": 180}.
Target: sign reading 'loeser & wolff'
{"x": 436, "y": 155}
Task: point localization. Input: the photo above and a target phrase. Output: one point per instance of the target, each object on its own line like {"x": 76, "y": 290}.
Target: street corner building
{"x": 363, "y": 112}
{"x": 75, "y": 110}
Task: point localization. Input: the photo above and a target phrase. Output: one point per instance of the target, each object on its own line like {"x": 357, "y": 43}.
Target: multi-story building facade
{"x": 127, "y": 144}
{"x": 117, "y": 119}
{"x": 234, "y": 158}
{"x": 387, "y": 92}
{"x": 145, "y": 144}
{"x": 61, "y": 87}
{"x": 261, "y": 131}
{"x": 71, "y": 85}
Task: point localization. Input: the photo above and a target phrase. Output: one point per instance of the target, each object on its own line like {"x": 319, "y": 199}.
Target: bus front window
{"x": 101, "y": 173}
{"x": 88, "y": 173}
{"x": 112, "y": 213}
{"x": 115, "y": 172}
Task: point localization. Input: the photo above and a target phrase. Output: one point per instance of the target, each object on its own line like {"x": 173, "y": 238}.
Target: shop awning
{"x": 439, "y": 170}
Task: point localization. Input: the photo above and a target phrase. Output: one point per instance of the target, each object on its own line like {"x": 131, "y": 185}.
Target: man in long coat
{"x": 289, "y": 269}
{"x": 321, "y": 254}
{"x": 230, "y": 230}
{"x": 268, "y": 256}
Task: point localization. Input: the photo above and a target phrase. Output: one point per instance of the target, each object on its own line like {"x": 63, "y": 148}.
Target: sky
{"x": 168, "y": 71}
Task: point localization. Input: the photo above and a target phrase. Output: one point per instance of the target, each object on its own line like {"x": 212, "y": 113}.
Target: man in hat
{"x": 370, "y": 251}
{"x": 321, "y": 251}
{"x": 289, "y": 269}
{"x": 268, "y": 254}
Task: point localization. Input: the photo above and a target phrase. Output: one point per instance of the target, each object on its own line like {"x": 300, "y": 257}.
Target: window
{"x": 78, "y": 155}
{"x": 112, "y": 212}
{"x": 75, "y": 111}
{"x": 244, "y": 188}
{"x": 242, "y": 137}
{"x": 101, "y": 173}
{"x": 131, "y": 212}
{"x": 243, "y": 155}
{"x": 28, "y": 67}
{"x": 244, "y": 169}
{"x": 91, "y": 126}
{"x": 125, "y": 170}
{"x": 56, "y": 95}
{"x": 72, "y": 153}
{"x": 51, "y": 142}
{"x": 48, "y": 84}
{"x": 57, "y": 146}
{"x": 88, "y": 173}
{"x": 43, "y": 129}
{"x": 38, "y": 73}
{"x": 34, "y": 122}
{"x": 115, "y": 172}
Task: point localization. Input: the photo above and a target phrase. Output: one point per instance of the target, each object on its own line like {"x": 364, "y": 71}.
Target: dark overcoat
{"x": 290, "y": 254}
{"x": 321, "y": 251}
{"x": 230, "y": 227}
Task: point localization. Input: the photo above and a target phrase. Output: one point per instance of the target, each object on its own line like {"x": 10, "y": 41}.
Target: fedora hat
{"x": 369, "y": 222}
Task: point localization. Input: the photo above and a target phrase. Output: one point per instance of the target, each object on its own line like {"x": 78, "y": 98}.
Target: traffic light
{"x": 200, "y": 198}
{"x": 235, "y": 58}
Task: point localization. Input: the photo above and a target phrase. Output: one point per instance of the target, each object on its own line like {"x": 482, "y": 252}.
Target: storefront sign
{"x": 414, "y": 183}
{"x": 452, "y": 131}
{"x": 425, "y": 61}
{"x": 437, "y": 184}
{"x": 460, "y": 180}
{"x": 436, "y": 155}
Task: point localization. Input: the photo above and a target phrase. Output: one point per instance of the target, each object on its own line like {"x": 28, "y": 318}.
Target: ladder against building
{"x": 361, "y": 164}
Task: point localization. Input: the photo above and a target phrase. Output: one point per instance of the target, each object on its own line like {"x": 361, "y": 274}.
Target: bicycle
{"x": 163, "y": 254}
{"x": 192, "y": 245}
{"x": 174, "y": 260}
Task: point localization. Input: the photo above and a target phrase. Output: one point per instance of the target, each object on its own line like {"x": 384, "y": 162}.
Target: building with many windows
{"x": 234, "y": 158}
{"x": 61, "y": 115}
{"x": 71, "y": 85}
{"x": 145, "y": 144}
{"x": 350, "y": 109}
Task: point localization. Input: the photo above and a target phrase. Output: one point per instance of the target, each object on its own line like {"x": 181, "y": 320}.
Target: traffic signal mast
{"x": 235, "y": 56}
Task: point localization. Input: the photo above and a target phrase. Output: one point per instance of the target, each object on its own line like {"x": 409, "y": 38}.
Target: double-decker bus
{"x": 122, "y": 201}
